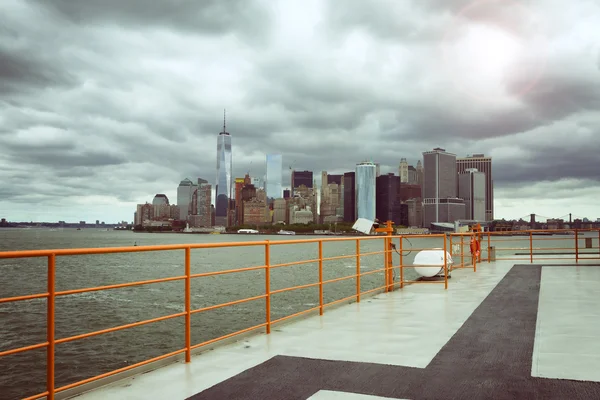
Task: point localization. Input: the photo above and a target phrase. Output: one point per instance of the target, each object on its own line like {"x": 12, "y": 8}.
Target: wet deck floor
{"x": 503, "y": 332}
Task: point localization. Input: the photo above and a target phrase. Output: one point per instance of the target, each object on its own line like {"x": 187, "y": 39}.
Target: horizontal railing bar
{"x": 129, "y": 249}
{"x": 342, "y": 278}
{"x": 227, "y": 271}
{"x": 117, "y": 371}
{"x": 339, "y": 257}
{"x": 229, "y": 335}
{"x": 118, "y": 328}
{"x": 288, "y": 289}
{"x": 289, "y": 264}
{"x": 373, "y": 290}
{"x": 296, "y": 314}
{"x": 372, "y": 271}
{"x": 37, "y": 396}
{"x": 230, "y": 303}
{"x": 340, "y": 300}
{"x": 22, "y": 298}
{"x": 22, "y": 349}
{"x": 119, "y": 285}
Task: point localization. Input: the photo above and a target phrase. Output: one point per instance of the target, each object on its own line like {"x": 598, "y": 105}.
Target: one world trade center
{"x": 224, "y": 181}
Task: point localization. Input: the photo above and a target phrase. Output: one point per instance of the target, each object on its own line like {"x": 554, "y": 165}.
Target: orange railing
{"x": 51, "y": 293}
{"x": 533, "y": 245}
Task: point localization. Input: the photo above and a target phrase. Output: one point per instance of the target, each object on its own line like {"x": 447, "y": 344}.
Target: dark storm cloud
{"x": 209, "y": 17}
{"x": 21, "y": 72}
{"x": 61, "y": 155}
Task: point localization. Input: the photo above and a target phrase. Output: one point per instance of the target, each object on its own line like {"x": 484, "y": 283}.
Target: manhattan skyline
{"x": 103, "y": 107}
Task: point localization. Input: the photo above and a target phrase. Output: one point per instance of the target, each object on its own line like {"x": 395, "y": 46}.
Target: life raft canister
{"x": 475, "y": 247}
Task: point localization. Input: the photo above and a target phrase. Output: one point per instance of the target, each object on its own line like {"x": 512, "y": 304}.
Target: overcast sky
{"x": 104, "y": 103}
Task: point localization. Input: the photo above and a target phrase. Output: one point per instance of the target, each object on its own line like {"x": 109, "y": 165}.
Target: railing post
{"x": 50, "y": 321}
{"x": 358, "y": 270}
{"x": 401, "y": 264}
{"x": 188, "y": 306}
{"x": 391, "y": 263}
{"x": 386, "y": 265}
{"x": 268, "y": 286}
{"x": 531, "y": 247}
{"x": 474, "y": 256}
{"x": 462, "y": 250}
{"x": 576, "y": 245}
{"x": 445, "y": 264}
{"x": 489, "y": 243}
{"x": 321, "y": 277}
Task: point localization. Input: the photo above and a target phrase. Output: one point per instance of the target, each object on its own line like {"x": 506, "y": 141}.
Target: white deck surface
{"x": 331, "y": 395}
{"x": 567, "y": 341}
{"x": 407, "y": 327}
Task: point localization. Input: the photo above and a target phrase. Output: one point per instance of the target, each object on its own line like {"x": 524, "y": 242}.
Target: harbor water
{"x": 24, "y": 323}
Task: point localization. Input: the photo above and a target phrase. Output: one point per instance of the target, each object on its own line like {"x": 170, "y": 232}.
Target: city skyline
{"x": 96, "y": 119}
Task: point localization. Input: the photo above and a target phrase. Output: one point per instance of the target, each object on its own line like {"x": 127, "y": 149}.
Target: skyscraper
{"x": 224, "y": 184}
{"x": 403, "y": 170}
{"x": 440, "y": 203}
{"x": 483, "y": 164}
{"x": 274, "y": 176}
{"x": 471, "y": 188}
{"x": 349, "y": 197}
{"x": 365, "y": 190}
{"x": 185, "y": 190}
{"x": 301, "y": 178}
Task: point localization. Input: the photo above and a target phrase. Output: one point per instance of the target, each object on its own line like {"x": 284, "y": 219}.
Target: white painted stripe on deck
{"x": 332, "y": 395}
{"x": 568, "y": 324}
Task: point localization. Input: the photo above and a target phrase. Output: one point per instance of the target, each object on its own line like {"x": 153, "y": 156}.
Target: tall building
{"x": 387, "y": 201}
{"x": 239, "y": 209}
{"x": 185, "y": 192}
{"x": 204, "y": 203}
{"x": 471, "y": 188}
{"x": 301, "y": 178}
{"x": 160, "y": 199}
{"x": 274, "y": 179}
{"x": 483, "y": 164}
{"x": 403, "y": 170}
{"x": 365, "y": 190}
{"x": 440, "y": 203}
{"x": 349, "y": 197}
{"x": 224, "y": 184}
{"x": 419, "y": 173}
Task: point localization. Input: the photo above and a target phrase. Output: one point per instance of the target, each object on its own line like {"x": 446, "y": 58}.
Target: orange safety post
{"x": 50, "y": 329}
{"x": 531, "y": 247}
{"x": 388, "y": 230}
{"x": 401, "y": 264}
{"x": 462, "y": 251}
{"x": 320, "y": 277}
{"x": 358, "y": 270}
{"x": 188, "y": 306}
{"x": 445, "y": 264}
{"x": 268, "y": 285}
{"x": 489, "y": 239}
{"x": 576, "y": 245}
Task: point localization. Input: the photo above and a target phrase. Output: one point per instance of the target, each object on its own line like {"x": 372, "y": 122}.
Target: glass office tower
{"x": 365, "y": 190}
{"x": 274, "y": 184}
{"x": 224, "y": 186}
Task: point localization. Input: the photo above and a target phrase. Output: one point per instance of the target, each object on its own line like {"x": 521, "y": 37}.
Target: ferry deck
{"x": 507, "y": 331}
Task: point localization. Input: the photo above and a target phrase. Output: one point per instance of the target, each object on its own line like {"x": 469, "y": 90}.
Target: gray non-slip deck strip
{"x": 489, "y": 357}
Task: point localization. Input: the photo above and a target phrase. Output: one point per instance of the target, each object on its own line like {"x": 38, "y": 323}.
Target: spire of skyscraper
{"x": 224, "y": 130}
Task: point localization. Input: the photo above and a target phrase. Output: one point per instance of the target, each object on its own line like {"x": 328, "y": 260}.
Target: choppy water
{"x": 24, "y": 323}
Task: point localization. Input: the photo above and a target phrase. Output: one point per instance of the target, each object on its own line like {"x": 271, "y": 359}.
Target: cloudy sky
{"x": 104, "y": 103}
